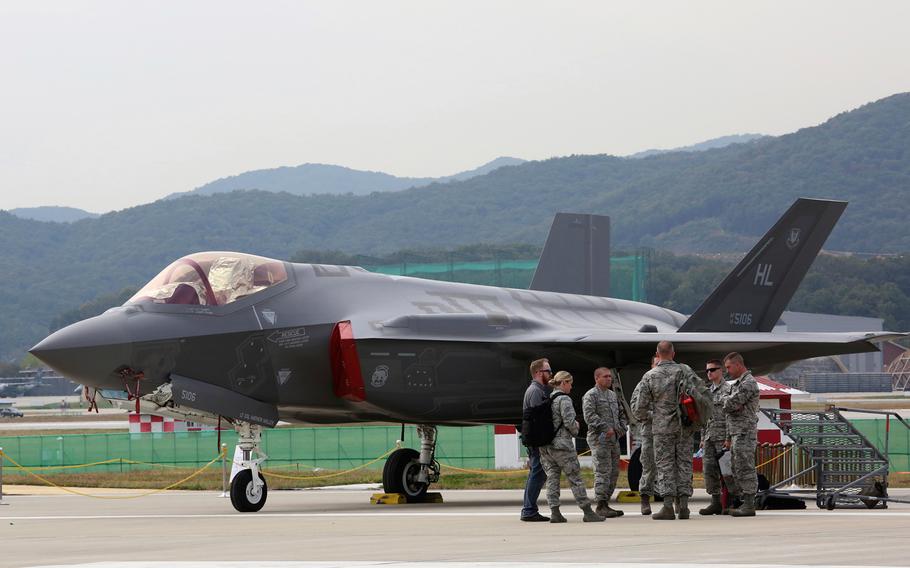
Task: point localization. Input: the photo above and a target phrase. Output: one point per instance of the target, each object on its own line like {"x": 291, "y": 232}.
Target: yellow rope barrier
{"x": 329, "y": 475}
{"x": 775, "y": 458}
{"x": 83, "y": 494}
{"x": 485, "y": 471}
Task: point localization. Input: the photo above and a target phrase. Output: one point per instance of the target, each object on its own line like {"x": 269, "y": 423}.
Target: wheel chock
{"x": 402, "y": 499}
{"x": 388, "y": 499}
{"x": 628, "y": 497}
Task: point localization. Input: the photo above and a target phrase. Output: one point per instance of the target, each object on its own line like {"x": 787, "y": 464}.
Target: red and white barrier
{"x": 151, "y": 423}
{"x": 507, "y": 447}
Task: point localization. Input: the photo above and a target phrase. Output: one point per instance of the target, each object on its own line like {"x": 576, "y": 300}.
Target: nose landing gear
{"x": 248, "y": 488}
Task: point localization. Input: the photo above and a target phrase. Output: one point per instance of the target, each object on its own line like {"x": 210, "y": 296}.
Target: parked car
{"x": 10, "y": 412}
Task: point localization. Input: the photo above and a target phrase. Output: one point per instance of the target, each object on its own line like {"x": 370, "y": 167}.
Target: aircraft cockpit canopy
{"x": 212, "y": 279}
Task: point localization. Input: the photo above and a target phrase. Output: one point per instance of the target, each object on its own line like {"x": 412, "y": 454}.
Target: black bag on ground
{"x": 776, "y": 502}
{"x": 537, "y": 428}
{"x": 781, "y": 503}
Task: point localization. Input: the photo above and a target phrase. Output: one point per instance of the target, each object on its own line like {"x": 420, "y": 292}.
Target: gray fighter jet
{"x": 254, "y": 340}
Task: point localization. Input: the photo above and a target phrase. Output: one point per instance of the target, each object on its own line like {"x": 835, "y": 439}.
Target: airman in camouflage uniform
{"x": 647, "y": 485}
{"x": 559, "y": 456}
{"x": 713, "y": 436}
{"x": 741, "y": 412}
{"x": 673, "y": 441}
{"x": 606, "y": 422}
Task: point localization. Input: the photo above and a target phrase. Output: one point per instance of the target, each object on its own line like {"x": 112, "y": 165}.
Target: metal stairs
{"x": 845, "y": 464}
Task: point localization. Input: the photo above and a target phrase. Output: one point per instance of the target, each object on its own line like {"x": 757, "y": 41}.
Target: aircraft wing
{"x": 710, "y": 341}
{"x": 763, "y": 349}
{"x": 505, "y": 329}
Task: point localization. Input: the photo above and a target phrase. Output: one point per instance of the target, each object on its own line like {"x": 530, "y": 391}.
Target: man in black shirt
{"x": 537, "y": 394}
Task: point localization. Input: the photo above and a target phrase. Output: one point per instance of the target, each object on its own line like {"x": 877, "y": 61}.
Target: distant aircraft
{"x": 252, "y": 340}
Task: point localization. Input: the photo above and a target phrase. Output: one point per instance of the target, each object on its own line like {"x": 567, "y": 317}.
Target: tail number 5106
{"x": 740, "y": 318}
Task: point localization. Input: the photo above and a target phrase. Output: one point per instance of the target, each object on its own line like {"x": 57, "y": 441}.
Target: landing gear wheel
{"x": 400, "y": 474}
{"x": 245, "y": 496}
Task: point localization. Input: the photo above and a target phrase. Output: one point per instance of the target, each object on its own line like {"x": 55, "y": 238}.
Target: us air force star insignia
{"x": 270, "y": 316}
{"x": 380, "y": 376}
{"x": 793, "y": 239}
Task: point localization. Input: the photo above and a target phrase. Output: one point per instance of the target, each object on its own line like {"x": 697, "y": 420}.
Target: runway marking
{"x": 419, "y": 564}
{"x": 391, "y": 514}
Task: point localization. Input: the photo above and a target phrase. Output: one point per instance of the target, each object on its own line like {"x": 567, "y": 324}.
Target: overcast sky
{"x": 106, "y": 105}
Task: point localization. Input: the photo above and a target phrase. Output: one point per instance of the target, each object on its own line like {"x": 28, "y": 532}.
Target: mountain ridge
{"x": 53, "y": 213}
{"x": 314, "y": 179}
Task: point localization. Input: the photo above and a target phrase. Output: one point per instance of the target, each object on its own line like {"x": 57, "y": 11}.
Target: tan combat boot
{"x": 715, "y": 508}
{"x": 590, "y": 515}
{"x": 604, "y": 510}
{"x": 556, "y": 516}
{"x": 682, "y": 507}
{"x": 645, "y": 504}
{"x": 666, "y": 511}
{"x": 747, "y": 509}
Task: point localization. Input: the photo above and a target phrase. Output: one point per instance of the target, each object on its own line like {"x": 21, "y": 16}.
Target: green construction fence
{"x": 898, "y": 448}
{"x": 332, "y": 448}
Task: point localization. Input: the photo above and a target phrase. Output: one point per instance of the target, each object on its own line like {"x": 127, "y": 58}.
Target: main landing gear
{"x": 248, "y": 488}
{"x": 410, "y": 472}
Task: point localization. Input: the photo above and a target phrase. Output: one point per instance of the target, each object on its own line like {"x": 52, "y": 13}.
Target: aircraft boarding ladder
{"x": 844, "y": 462}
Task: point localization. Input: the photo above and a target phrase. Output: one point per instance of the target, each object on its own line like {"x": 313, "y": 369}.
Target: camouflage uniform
{"x": 560, "y": 455}
{"x": 713, "y": 435}
{"x": 648, "y": 483}
{"x": 741, "y": 411}
{"x": 672, "y": 441}
{"x": 603, "y": 413}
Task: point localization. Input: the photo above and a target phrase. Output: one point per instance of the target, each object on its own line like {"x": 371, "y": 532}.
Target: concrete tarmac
{"x": 341, "y": 527}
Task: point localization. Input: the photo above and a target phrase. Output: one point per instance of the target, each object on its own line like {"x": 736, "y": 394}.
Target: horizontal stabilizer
{"x": 576, "y": 256}
{"x": 755, "y": 294}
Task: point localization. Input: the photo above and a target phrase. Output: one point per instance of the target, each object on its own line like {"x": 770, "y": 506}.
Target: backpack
{"x": 695, "y": 403}
{"x": 537, "y": 428}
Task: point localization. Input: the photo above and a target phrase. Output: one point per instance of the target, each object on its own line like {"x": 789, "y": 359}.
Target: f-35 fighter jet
{"x": 254, "y": 340}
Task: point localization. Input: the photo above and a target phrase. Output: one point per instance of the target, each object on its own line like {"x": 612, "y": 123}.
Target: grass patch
{"x": 211, "y": 479}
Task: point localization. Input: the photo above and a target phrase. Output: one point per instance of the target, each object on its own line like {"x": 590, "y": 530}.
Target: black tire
{"x": 634, "y": 470}
{"x": 242, "y": 497}
{"x": 399, "y": 475}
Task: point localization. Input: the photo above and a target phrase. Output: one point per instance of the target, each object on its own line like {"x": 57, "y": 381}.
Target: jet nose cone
{"x": 90, "y": 351}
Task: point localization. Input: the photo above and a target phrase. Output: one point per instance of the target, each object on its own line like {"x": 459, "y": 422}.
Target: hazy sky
{"x": 106, "y": 105}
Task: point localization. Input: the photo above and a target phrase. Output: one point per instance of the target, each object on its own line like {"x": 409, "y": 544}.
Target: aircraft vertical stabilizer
{"x": 576, "y": 256}
{"x": 755, "y": 294}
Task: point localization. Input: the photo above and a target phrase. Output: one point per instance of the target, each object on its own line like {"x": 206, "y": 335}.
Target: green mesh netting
{"x": 628, "y": 274}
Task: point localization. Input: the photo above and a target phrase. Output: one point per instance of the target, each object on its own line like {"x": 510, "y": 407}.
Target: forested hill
{"x": 717, "y": 200}
{"x": 310, "y": 179}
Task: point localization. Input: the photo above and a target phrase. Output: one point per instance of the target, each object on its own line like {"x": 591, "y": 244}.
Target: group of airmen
{"x": 666, "y": 438}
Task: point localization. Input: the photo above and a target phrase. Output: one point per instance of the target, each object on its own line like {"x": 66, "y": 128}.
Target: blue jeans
{"x": 536, "y": 478}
